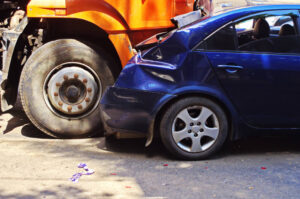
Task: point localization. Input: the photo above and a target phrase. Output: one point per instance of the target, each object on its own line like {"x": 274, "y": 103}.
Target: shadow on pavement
{"x": 18, "y": 119}
{"x": 252, "y": 145}
{"x": 134, "y": 146}
{"x": 285, "y": 143}
{"x": 261, "y": 145}
{"x": 32, "y": 132}
{"x": 59, "y": 191}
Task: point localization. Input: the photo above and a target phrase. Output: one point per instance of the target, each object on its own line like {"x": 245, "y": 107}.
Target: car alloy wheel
{"x": 195, "y": 129}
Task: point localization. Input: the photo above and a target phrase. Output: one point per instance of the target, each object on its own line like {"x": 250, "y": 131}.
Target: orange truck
{"x": 60, "y": 55}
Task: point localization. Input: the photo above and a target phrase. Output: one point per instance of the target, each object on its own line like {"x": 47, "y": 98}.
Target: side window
{"x": 244, "y": 26}
{"x": 265, "y": 33}
{"x": 272, "y": 34}
{"x": 224, "y": 39}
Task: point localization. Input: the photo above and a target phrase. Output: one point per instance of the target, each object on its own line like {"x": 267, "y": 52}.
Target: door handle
{"x": 231, "y": 68}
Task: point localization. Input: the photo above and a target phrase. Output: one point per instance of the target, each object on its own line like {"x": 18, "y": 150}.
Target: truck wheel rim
{"x": 195, "y": 129}
{"x": 72, "y": 90}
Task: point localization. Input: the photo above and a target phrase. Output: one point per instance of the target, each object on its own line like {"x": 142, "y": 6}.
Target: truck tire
{"x": 61, "y": 86}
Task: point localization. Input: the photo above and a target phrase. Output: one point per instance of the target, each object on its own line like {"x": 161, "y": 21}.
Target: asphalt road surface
{"x": 36, "y": 166}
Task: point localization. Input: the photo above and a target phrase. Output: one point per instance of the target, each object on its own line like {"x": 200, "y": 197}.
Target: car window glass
{"x": 279, "y": 20}
{"x": 273, "y": 34}
{"x": 224, "y": 39}
{"x": 246, "y": 25}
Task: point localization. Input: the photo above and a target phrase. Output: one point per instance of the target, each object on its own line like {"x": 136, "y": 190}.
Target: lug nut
{"x": 191, "y": 124}
{"x": 189, "y": 131}
{"x": 69, "y": 108}
{"x": 79, "y": 106}
{"x": 76, "y": 76}
{"x": 60, "y": 103}
{"x": 84, "y": 81}
{"x": 55, "y": 94}
{"x": 196, "y": 135}
{"x": 58, "y": 84}
{"x": 89, "y": 90}
{"x": 87, "y": 99}
{"x": 199, "y": 123}
{"x": 201, "y": 130}
{"x": 66, "y": 77}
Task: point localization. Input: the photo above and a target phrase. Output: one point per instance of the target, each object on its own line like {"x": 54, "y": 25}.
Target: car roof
{"x": 199, "y": 30}
{"x": 258, "y": 8}
{"x": 219, "y": 5}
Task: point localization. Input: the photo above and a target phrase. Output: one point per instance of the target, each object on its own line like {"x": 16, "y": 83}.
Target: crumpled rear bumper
{"x": 127, "y": 110}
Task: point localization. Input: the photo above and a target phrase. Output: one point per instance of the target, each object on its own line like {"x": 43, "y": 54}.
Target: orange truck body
{"x": 127, "y": 22}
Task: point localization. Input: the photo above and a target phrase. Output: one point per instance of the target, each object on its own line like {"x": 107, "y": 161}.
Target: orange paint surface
{"x": 123, "y": 20}
{"x": 123, "y": 46}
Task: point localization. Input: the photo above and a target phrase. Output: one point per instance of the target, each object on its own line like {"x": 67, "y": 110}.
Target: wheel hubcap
{"x": 72, "y": 90}
{"x": 195, "y": 129}
{"x": 72, "y": 94}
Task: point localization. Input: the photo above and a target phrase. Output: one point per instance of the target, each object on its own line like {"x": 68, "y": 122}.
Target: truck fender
{"x": 98, "y": 12}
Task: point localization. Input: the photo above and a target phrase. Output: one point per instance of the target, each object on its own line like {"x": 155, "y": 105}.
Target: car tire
{"x": 194, "y": 128}
{"x": 91, "y": 67}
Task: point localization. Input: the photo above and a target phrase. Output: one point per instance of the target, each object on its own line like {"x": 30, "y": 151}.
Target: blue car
{"x": 219, "y": 78}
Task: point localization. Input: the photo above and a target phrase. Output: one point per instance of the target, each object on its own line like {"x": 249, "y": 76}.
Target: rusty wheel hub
{"x": 72, "y": 90}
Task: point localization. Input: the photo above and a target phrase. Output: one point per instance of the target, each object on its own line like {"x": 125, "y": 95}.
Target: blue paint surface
{"x": 263, "y": 94}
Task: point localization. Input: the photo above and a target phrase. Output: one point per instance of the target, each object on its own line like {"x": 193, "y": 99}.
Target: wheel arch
{"x": 111, "y": 17}
{"x": 102, "y": 13}
{"x": 72, "y": 28}
{"x": 223, "y": 103}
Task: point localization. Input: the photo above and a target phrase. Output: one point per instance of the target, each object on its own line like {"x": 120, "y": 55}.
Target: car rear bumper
{"x": 127, "y": 110}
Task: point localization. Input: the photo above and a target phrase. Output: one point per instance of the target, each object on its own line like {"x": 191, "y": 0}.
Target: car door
{"x": 263, "y": 84}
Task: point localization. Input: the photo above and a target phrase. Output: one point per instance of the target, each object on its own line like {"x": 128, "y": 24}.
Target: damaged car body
{"x": 218, "y": 78}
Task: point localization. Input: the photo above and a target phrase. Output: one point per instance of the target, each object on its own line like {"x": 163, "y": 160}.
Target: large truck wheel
{"x": 61, "y": 86}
